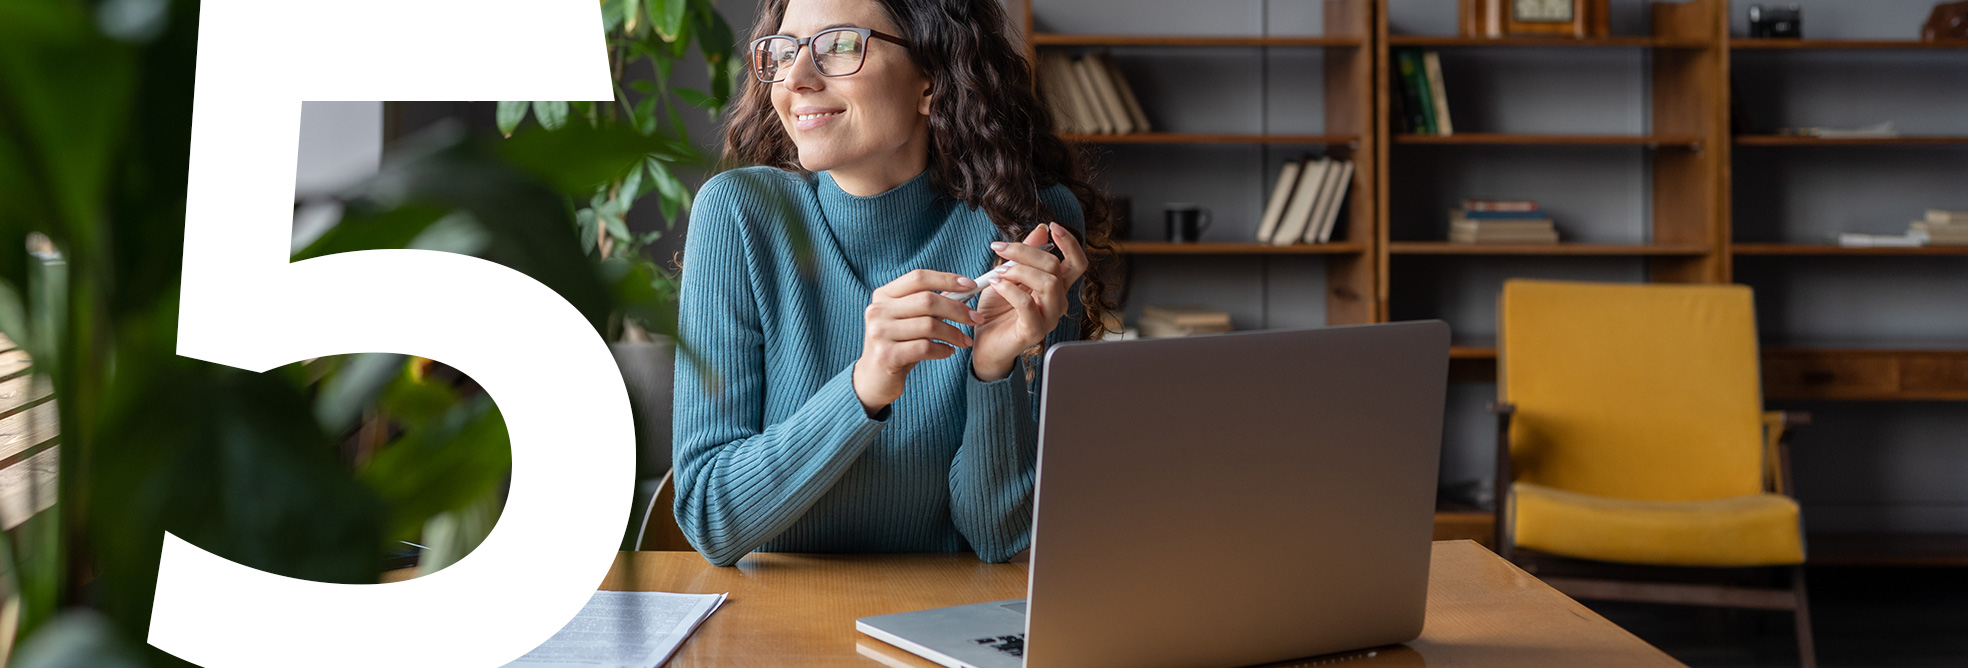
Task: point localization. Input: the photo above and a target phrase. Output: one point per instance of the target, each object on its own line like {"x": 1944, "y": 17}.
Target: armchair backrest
{"x": 1633, "y": 391}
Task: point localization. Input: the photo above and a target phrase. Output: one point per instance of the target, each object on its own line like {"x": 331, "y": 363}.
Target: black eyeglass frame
{"x": 807, "y": 44}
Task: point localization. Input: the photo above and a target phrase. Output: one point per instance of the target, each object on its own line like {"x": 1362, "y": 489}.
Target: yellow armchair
{"x": 1631, "y": 431}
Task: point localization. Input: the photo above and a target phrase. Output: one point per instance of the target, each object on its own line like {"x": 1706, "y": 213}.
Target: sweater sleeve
{"x": 991, "y": 479}
{"x": 740, "y": 482}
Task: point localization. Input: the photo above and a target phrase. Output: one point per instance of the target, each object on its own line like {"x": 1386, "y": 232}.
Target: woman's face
{"x": 869, "y": 122}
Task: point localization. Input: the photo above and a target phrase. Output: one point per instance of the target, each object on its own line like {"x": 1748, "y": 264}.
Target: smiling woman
{"x": 838, "y": 400}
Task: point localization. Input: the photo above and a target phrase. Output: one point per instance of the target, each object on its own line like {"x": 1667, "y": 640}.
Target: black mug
{"x": 1186, "y": 222}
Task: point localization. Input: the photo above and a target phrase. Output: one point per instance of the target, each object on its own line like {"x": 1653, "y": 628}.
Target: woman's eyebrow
{"x": 828, "y": 27}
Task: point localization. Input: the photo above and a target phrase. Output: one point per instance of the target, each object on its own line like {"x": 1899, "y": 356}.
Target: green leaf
{"x": 667, "y": 16}
{"x": 585, "y": 226}
{"x": 552, "y": 114}
{"x": 674, "y": 195}
{"x": 578, "y": 158}
{"x": 370, "y": 228}
{"x": 644, "y": 86}
{"x": 714, "y": 37}
{"x": 631, "y": 15}
{"x": 441, "y": 466}
{"x": 353, "y": 387}
{"x": 510, "y": 115}
{"x": 612, "y": 15}
{"x": 696, "y": 98}
{"x": 645, "y": 115}
{"x": 632, "y": 185}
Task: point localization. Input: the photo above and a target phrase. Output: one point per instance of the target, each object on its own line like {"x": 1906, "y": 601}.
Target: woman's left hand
{"x": 1025, "y": 304}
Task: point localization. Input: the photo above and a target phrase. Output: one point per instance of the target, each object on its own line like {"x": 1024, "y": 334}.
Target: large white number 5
{"x": 246, "y": 306}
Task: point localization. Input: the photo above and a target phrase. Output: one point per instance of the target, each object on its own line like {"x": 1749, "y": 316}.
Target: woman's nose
{"x": 803, "y": 75}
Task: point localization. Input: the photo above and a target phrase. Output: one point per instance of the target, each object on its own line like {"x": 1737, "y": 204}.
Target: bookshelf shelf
{"x": 1784, "y": 249}
{"x": 1451, "y": 248}
{"x": 1788, "y": 140}
{"x": 1212, "y": 248}
{"x": 1058, "y": 39}
{"x": 1774, "y": 44}
{"x": 1618, "y": 41}
{"x": 1206, "y": 138}
{"x": 1491, "y": 138}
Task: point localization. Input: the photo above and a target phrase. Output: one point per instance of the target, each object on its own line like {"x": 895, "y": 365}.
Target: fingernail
{"x": 966, "y": 283}
{"x": 997, "y": 245}
{"x": 1056, "y": 228}
{"x": 976, "y": 317}
{"x": 1002, "y": 269}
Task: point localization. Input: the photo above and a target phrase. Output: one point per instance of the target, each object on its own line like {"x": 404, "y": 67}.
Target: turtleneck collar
{"x": 881, "y": 230}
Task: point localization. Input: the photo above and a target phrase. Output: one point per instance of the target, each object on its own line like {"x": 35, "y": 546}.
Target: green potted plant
{"x": 650, "y": 36}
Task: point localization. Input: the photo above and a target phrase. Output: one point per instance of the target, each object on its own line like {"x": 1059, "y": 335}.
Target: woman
{"x": 840, "y": 402}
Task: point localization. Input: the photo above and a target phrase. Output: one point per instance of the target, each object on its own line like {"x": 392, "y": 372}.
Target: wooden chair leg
{"x": 1807, "y": 653}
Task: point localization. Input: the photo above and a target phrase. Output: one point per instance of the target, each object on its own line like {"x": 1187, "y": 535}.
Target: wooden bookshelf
{"x": 1688, "y": 197}
{"x": 1481, "y": 138}
{"x": 1564, "y": 248}
{"x": 1207, "y": 138}
{"x": 1767, "y": 44}
{"x": 1812, "y": 250}
{"x": 1214, "y": 248}
{"x": 1616, "y": 41}
{"x": 1349, "y": 113}
{"x": 1050, "y": 39}
{"x": 1790, "y": 140}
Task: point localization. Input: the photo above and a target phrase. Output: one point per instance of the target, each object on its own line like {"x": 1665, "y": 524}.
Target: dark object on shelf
{"x": 1948, "y": 23}
{"x": 1186, "y": 222}
{"x": 1776, "y": 21}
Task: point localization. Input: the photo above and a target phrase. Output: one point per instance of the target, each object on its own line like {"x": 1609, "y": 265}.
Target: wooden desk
{"x": 799, "y": 610}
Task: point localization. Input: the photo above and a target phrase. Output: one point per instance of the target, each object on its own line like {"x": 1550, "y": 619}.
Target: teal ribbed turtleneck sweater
{"x": 773, "y": 450}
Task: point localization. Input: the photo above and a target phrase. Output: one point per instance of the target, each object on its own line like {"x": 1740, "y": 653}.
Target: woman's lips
{"x": 806, "y": 122}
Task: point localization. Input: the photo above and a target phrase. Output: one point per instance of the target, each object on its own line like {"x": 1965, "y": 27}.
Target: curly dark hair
{"x": 988, "y": 134}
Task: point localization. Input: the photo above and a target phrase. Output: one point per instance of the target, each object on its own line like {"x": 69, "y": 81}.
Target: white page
{"x": 624, "y": 629}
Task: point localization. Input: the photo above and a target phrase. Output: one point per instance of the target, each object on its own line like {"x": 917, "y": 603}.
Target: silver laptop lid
{"x": 1235, "y": 499}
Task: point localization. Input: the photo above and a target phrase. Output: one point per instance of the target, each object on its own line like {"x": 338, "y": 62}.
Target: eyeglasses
{"x": 837, "y": 52}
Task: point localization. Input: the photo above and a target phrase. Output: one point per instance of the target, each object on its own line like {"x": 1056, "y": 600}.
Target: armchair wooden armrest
{"x": 1504, "y": 411}
{"x": 1777, "y": 428}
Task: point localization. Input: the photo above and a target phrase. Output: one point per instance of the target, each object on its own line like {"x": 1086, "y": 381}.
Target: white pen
{"x": 986, "y": 280}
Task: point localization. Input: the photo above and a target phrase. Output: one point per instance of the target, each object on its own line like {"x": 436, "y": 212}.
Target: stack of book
{"x": 1421, "y": 105}
{"x": 1941, "y": 228}
{"x": 1087, "y": 95}
{"x": 1489, "y": 221}
{"x": 1305, "y": 203}
{"x": 1161, "y": 322}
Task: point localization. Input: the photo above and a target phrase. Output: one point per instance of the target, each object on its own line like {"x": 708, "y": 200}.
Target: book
{"x": 1281, "y": 194}
{"x": 1132, "y": 103}
{"x": 1176, "y": 321}
{"x": 1076, "y": 103}
{"x": 1327, "y": 215}
{"x": 1940, "y": 234}
{"x": 1945, "y": 217}
{"x": 1854, "y": 240}
{"x": 1090, "y": 90}
{"x": 1398, "y": 104}
{"x": 1432, "y": 66}
{"x": 1521, "y": 228}
{"x": 1298, "y": 214}
{"x": 1497, "y": 215}
{"x": 1520, "y": 205}
{"x": 1052, "y": 89}
{"x": 1415, "y": 82}
{"x": 1110, "y": 94}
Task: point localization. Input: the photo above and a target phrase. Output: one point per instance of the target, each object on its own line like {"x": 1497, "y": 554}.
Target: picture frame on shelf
{"x": 1578, "y": 19}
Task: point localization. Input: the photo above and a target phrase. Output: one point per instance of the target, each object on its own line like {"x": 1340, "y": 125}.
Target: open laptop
{"x": 1221, "y": 500}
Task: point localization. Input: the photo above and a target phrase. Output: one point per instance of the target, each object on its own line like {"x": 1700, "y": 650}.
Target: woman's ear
{"x": 922, "y": 104}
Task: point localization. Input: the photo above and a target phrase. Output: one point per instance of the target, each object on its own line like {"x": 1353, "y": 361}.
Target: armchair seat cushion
{"x": 1754, "y": 530}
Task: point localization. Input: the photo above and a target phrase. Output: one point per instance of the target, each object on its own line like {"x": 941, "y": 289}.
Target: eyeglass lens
{"x": 835, "y": 53}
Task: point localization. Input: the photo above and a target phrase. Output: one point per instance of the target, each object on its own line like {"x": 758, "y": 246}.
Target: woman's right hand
{"x": 904, "y": 325}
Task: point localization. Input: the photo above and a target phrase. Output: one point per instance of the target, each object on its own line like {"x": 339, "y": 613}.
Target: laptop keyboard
{"x": 1011, "y": 644}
